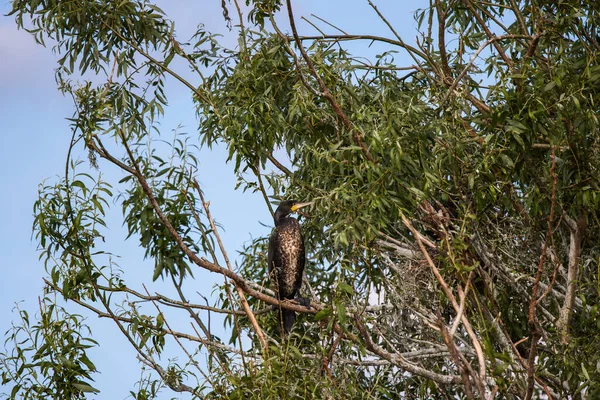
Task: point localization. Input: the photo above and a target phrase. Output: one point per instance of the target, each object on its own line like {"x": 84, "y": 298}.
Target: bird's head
{"x": 287, "y": 207}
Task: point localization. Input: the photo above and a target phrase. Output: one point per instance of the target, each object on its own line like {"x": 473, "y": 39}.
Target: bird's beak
{"x": 298, "y": 206}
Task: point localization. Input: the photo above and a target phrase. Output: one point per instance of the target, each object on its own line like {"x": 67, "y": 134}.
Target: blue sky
{"x": 35, "y": 135}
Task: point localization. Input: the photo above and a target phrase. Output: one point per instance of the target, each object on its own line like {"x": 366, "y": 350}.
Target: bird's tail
{"x": 288, "y": 317}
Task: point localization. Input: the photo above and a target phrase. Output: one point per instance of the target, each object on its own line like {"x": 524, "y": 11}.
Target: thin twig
{"x": 279, "y": 165}
{"x": 492, "y": 40}
{"x": 532, "y": 304}
{"x": 455, "y": 305}
{"x": 261, "y": 187}
{"x": 489, "y": 34}
{"x": 462, "y": 295}
{"x": 164, "y": 318}
{"x": 411, "y": 50}
{"x": 356, "y": 135}
{"x": 241, "y": 294}
{"x": 399, "y": 360}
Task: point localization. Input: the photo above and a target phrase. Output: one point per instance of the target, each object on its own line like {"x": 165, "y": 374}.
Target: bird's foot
{"x": 303, "y": 301}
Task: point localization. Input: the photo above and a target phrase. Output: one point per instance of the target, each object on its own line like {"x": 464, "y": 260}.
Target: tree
{"x": 452, "y": 247}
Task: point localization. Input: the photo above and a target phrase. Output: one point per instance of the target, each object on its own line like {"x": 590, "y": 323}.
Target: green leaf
{"x": 85, "y": 388}
{"x": 585, "y": 373}
{"x": 324, "y": 313}
{"x": 344, "y": 287}
{"x": 549, "y": 86}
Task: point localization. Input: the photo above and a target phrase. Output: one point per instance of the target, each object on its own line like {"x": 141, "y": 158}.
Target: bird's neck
{"x": 281, "y": 218}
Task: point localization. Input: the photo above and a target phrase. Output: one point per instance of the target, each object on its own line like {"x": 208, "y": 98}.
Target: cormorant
{"x": 286, "y": 257}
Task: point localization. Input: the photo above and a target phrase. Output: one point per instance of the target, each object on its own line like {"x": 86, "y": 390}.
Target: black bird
{"x": 286, "y": 257}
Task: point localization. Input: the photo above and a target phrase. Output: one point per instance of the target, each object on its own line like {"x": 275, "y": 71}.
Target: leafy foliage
{"x": 48, "y": 359}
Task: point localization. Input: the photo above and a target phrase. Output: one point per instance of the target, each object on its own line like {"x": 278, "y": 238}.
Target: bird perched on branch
{"x": 286, "y": 257}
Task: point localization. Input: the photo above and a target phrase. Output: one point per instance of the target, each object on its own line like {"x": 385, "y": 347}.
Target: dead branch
{"x": 577, "y": 230}
{"x": 398, "y": 360}
{"x": 464, "y": 367}
{"x": 474, "y": 340}
{"x": 532, "y": 322}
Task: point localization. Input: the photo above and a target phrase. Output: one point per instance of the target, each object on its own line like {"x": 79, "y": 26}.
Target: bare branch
{"x": 442, "y": 40}
{"x": 400, "y": 361}
{"x": 411, "y": 50}
{"x": 462, "y": 295}
{"x": 243, "y": 300}
{"x": 577, "y": 230}
{"x": 533, "y": 326}
{"x": 279, "y": 165}
{"x": 464, "y": 367}
{"x": 450, "y": 296}
{"x": 351, "y": 37}
{"x": 399, "y": 250}
{"x": 519, "y": 15}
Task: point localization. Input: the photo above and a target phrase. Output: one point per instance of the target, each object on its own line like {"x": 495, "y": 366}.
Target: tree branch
{"x": 356, "y": 135}
{"x": 533, "y": 325}
{"x": 397, "y": 359}
{"x": 577, "y": 230}
{"x": 201, "y": 262}
{"x": 455, "y": 305}
{"x": 243, "y": 300}
{"x": 489, "y": 34}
